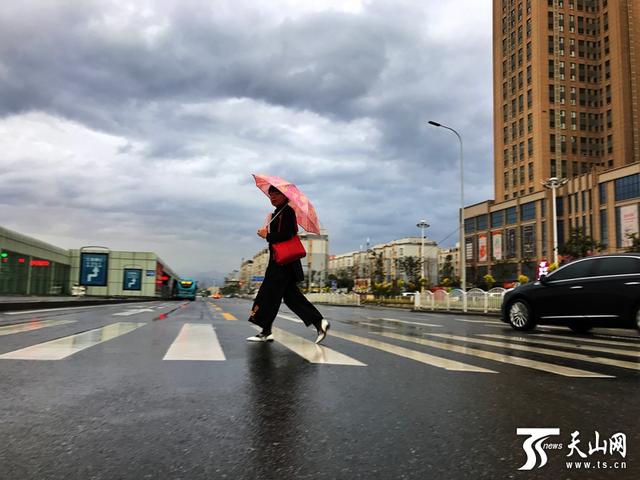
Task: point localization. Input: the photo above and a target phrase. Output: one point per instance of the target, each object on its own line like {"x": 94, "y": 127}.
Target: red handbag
{"x": 288, "y": 251}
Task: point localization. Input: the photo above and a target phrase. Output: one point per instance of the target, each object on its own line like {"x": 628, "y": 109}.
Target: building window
{"x": 470, "y": 225}
{"x": 528, "y": 237}
{"x": 528, "y": 211}
{"x": 604, "y": 228}
{"x": 511, "y": 215}
{"x": 627, "y": 187}
{"x": 481, "y": 222}
{"x": 559, "y": 206}
{"x": 497, "y": 219}
{"x": 603, "y": 193}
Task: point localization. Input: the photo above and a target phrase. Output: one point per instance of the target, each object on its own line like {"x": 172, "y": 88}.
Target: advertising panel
{"x": 93, "y": 269}
{"x": 482, "y": 247}
{"x": 132, "y": 279}
{"x": 628, "y": 223}
{"x": 497, "y": 245}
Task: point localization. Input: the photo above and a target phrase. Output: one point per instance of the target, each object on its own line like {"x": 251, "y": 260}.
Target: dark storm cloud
{"x": 336, "y": 101}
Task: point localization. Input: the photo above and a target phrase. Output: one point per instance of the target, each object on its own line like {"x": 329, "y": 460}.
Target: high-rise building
{"x": 565, "y": 89}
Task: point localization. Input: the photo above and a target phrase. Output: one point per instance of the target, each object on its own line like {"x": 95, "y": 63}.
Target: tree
{"x": 579, "y": 245}
{"x": 635, "y": 242}
{"x": 447, "y": 269}
{"x": 412, "y": 268}
{"x": 377, "y": 275}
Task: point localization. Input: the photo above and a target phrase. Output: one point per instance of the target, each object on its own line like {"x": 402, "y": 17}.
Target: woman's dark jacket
{"x": 284, "y": 227}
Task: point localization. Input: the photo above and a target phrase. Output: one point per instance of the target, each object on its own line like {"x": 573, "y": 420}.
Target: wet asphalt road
{"x": 158, "y": 393}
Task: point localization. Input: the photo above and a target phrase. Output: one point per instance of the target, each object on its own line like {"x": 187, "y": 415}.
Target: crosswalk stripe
{"x": 228, "y": 316}
{"x": 30, "y": 326}
{"x": 406, "y": 322}
{"x": 544, "y": 351}
{"x": 312, "y": 352}
{"x": 291, "y": 319}
{"x": 499, "y": 357}
{"x": 591, "y": 340}
{"x": 377, "y": 325}
{"x": 66, "y": 346}
{"x": 196, "y": 341}
{"x": 476, "y": 321}
{"x": 535, "y": 341}
{"x": 411, "y": 354}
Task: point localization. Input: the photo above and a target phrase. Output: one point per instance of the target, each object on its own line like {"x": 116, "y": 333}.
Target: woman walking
{"x": 280, "y": 281}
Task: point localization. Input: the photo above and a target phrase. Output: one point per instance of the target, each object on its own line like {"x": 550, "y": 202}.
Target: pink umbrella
{"x": 305, "y": 213}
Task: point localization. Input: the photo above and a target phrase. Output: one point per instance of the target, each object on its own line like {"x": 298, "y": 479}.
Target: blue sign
{"x": 93, "y": 269}
{"x": 257, "y": 279}
{"x": 151, "y": 273}
{"x": 132, "y": 279}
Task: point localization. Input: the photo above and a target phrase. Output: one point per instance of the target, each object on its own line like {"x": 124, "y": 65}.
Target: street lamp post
{"x": 463, "y": 270}
{"x": 422, "y": 225}
{"x": 554, "y": 183}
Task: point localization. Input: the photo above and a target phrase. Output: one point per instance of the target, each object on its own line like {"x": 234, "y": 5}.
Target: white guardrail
{"x": 334, "y": 298}
{"x": 477, "y": 300}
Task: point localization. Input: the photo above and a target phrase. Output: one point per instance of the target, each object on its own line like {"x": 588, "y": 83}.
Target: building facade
{"x": 565, "y": 90}
{"x": 565, "y": 106}
{"x": 29, "y": 266}
{"x": 362, "y": 264}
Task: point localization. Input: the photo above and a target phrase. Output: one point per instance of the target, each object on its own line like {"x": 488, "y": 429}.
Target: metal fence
{"x": 477, "y": 300}
{"x": 334, "y": 298}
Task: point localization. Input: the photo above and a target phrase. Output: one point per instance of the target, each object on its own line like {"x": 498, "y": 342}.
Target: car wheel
{"x": 580, "y": 327}
{"x": 520, "y": 315}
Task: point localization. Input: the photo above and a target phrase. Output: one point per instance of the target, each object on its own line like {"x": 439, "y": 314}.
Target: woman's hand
{"x": 262, "y": 233}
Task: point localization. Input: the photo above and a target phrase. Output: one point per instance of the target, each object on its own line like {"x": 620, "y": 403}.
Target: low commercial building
{"x": 29, "y": 266}
{"x": 361, "y": 264}
{"x": 116, "y": 273}
{"x": 511, "y": 238}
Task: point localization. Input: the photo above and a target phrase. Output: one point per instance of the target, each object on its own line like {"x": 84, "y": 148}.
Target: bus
{"x": 185, "y": 288}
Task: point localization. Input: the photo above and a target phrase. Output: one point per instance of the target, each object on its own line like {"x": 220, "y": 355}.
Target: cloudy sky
{"x": 137, "y": 124}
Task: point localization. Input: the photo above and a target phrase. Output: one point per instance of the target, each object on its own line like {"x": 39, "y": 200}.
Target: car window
{"x": 616, "y": 265}
{"x": 573, "y": 270}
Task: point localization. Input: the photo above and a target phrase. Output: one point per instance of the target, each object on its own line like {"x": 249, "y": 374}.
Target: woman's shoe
{"x": 322, "y": 331}
{"x": 261, "y": 337}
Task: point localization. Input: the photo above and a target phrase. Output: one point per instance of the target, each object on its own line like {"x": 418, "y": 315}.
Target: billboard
{"x": 132, "y": 279}
{"x": 93, "y": 269}
{"x": 628, "y": 223}
{"x": 482, "y": 247}
{"x": 497, "y": 245}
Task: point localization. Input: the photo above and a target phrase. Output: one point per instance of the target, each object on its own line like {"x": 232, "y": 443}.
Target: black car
{"x": 602, "y": 291}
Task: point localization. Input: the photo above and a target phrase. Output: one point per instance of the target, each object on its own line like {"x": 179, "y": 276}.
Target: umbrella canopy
{"x": 305, "y": 213}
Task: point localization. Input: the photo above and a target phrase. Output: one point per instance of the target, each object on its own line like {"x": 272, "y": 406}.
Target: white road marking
{"x": 411, "y": 354}
{"x": 406, "y": 321}
{"x": 24, "y": 312}
{"x": 544, "y": 351}
{"x": 196, "y": 341}
{"x": 312, "y": 352}
{"x": 134, "y": 312}
{"x": 499, "y": 357}
{"x": 377, "y": 325}
{"x": 476, "y": 321}
{"x": 30, "y": 326}
{"x": 592, "y": 340}
{"x": 66, "y": 346}
{"x": 291, "y": 319}
{"x": 535, "y": 341}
